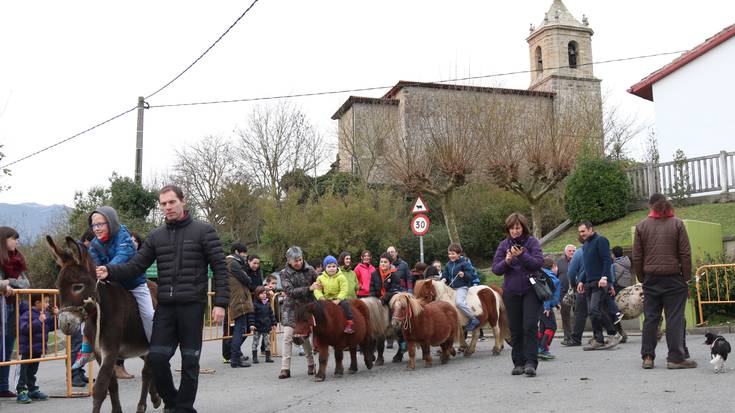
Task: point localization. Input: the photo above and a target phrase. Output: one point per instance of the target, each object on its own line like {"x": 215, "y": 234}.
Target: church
{"x": 560, "y": 57}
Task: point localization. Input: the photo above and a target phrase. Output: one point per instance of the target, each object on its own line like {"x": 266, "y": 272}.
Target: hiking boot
{"x": 594, "y": 345}
{"x": 545, "y": 355}
{"x": 612, "y": 341}
{"x": 285, "y": 373}
{"x": 647, "y": 362}
{"x": 121, "y": 373}
{"x": 348, "y": 328}
{"x": 225, "y": 360}
{"x": 517, "y": 370}
{"x": 37, "y": 395}
{"x": 22, "y": 397}
{"x": 268, "y": 358}
{"x": 240, "y": 363}
{"x": 255, "y": 357}
{"x": 530, "y": 370}
{"x": 685, "y": 364}
{"x": 79, "y": 381}
{"x": 570, "y": 343}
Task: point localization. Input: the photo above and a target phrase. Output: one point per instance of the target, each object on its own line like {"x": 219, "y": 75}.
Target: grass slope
{"x": 618, "y": 231}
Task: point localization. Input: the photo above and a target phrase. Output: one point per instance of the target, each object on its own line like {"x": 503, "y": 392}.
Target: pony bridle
{"x": 406, "y": 319}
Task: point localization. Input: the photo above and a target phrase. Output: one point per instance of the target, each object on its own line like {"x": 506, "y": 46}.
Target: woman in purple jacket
{"x": 518, "y": 256}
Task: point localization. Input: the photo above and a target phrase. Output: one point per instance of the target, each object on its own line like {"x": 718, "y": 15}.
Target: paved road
{"x": 603, "y": 381}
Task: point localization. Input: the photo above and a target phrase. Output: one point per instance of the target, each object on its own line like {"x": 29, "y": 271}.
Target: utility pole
{"x": 139, "y": 142}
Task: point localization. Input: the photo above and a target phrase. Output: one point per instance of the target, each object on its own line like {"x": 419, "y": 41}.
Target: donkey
{"x": 111, "y": 322}
{"x": 486, "y": 303}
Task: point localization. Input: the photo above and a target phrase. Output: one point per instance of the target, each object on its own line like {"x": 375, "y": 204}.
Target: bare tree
{"x": 277, "y": 140}
{"x": 364, "y": 139}
{"x": 3, "y": 171}
{"x": 531, "y": 146}
{"x": 203, "y": 170}
{"x": 436, "y": 152}
{"x": 618, "y": 129}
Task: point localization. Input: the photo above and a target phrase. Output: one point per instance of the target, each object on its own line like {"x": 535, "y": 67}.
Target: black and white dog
{"x": 720, "y": 348}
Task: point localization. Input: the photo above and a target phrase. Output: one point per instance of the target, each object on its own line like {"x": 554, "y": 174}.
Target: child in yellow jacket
{"x": 334, "y": 286}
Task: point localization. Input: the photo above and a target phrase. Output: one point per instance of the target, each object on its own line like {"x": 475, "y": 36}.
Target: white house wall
{"x": 693, "y": 105}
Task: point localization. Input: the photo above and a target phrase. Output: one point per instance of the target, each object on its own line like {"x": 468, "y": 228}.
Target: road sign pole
{"x": 421, "y": 247}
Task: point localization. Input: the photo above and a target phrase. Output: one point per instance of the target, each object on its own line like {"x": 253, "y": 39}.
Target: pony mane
{"x": 318, "y": 311}
{"x": 442, "y": 290}
{"x": 413, "y": 303}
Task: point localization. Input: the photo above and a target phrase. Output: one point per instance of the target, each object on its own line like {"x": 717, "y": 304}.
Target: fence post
{"x": 650, "y": 179}
{"x": 723, "y": 172}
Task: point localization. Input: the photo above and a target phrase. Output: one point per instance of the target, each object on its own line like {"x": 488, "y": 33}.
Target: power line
{"x": 135, "y": 107}
{"x": 364, "y": 89}
{"x": 69, "y": 138}
{"x": 205, "y": 52}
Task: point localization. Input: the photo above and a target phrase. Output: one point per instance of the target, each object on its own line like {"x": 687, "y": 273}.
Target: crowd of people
{"x": 584, "y": 282}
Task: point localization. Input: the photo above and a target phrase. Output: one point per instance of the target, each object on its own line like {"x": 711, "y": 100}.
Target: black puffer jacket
{"x": 183, "y": 250}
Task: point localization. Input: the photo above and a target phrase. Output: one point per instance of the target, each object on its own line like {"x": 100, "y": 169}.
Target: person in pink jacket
{"x": 364, "y": 271}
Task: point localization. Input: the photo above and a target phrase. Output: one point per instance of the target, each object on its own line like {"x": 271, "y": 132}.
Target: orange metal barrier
{"x": 24, "y": 295}
{"x": 715, "y": 285}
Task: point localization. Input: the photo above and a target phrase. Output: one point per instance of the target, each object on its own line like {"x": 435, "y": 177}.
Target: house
{"x": 691, "y": 98}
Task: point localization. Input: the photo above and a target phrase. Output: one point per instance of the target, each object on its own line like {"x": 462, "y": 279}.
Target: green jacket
{"x": 352, "y": 286}
{"x": 333, "y": 287}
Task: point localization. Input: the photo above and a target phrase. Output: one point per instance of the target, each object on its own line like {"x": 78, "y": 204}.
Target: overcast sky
{"x": 68, "y": 65}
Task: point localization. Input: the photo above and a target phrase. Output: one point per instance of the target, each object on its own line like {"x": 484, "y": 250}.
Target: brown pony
{"x": 111, "y": 322}
{"x": 432, "y": 324}
{"x": 327, "y": 320}
{"x": 485, "y": 301}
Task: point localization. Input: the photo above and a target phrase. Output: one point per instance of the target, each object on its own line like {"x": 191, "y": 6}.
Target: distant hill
{"x": 30, "y": 219}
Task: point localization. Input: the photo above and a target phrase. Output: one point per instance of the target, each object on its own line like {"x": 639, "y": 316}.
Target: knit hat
{"x": 329, "y": 260}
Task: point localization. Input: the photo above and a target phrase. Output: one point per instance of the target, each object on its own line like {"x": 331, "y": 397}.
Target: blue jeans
{"x": 8, "y": 329}
{"x": 461, "y": 301}
{"x": 241, "y": 326}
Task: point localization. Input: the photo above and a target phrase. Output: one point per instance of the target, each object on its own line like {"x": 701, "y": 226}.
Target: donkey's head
{"x": 76, "y": 282}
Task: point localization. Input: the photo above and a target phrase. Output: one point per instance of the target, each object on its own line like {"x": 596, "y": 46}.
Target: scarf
{"x": 15, "y": 265}
{"x": 383, "y": 276}
{"x": 657, "y": 215}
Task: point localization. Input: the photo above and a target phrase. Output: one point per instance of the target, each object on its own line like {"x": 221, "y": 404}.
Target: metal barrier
{"x": 718, "y": 288}
{"x": 212, "y": 331}
{"x": 45, "y": 355}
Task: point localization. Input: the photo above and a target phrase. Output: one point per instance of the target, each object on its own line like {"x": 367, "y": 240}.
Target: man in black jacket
{"x": 402, "y": 270}
{"x": 183, "y": 248}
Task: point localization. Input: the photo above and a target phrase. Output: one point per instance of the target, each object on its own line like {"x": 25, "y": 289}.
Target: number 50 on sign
{"x": 420, "y": 225}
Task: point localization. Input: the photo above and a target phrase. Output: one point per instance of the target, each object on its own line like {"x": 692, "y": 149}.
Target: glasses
{"x": 98, "y": 225}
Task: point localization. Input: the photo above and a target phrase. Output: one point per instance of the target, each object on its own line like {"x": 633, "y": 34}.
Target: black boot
{"x": 268, "y": 358}
{"x": 255, "y": 357}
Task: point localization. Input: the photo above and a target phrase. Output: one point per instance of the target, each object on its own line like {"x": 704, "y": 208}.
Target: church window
{"x": 539, "y": 60}
{"x": 573, "y": 51}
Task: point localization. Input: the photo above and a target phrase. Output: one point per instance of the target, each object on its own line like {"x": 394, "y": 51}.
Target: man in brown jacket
{"x": 241, "y": 303}
{"x": 662, "y": 261}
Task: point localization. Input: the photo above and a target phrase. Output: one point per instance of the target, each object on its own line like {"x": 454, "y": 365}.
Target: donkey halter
{"x": 82, "y": 311}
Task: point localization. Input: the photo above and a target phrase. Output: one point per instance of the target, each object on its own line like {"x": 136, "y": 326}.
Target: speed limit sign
{"x": 420, "y": 224}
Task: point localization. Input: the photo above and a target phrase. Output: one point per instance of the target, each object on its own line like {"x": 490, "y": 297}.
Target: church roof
{"x": 559, "y": 15}
{"x": 403, "y": 83}
{"x": 359, "y": 99}
{"x": 644, "y": 88}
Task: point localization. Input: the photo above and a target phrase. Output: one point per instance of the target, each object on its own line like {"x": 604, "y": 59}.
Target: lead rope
{"x": 96, "y": 303}
{"x": 407, "y": 322}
